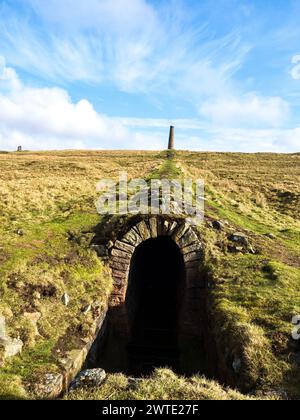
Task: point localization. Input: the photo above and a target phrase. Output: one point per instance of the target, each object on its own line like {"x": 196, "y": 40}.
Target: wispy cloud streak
{"x": 131, "y": 44}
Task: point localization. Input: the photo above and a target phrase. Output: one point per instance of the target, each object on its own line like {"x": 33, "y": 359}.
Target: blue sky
{"x": 115, "y": 74}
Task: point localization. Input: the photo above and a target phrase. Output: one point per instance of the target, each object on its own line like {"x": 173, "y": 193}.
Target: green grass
{"x": 255, "y": 301}
{"x": 162, "y": 385}
{"x": 169, "y": 169}
{"x": 44, "y": 260}
{"x": 51, "y": 198}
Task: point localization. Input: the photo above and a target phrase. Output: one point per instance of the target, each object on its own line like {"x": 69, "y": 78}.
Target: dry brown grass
{"x": 162, "y": 385}
{"x": 47, "y": 185}
{"x": 47, "y": 195}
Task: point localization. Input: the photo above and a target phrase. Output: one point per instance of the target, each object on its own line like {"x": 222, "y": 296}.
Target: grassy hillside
{"x": 47, "y": 214}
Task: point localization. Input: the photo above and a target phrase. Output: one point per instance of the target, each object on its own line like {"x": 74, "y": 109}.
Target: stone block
{"x": 180, "y": 231}
{"x": 165, "y": 227}
{"x": 118, "y": 281}
{"x": 191, "y": 248}
{"x": 188, "y": 238}
{"x": 121, "y": 254}
{"x": 118, "y": 264}
{"x": 153, "y": 227}
{"x": 120, "y": 274}
{"x": 124, "y": 247}
{"x": 132, "y": 238}
{"x": 172, "y": 228}
{"x": 143, "y": 230}
{"x": 193, "y": 256}
{"x": 121, "y": 261}
{"x": 159, "y": 227}
{"x": 192, "y": 264}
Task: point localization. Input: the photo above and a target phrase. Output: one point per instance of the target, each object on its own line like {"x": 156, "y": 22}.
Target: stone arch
{"x": 123, "y": 236}
{"x": 189, "y": 244}
{"x": 121, "y": 253}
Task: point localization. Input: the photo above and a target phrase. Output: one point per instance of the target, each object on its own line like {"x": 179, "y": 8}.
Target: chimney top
{"x": 171, "y": 139}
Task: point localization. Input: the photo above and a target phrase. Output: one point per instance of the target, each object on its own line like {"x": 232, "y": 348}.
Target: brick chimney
{"x": 171, "y": 139}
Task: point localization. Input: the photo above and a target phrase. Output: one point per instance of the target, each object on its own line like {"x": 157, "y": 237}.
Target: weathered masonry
{"x": 158, "y": 305}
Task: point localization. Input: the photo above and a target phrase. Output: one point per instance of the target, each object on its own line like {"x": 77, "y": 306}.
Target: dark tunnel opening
{"x": 155, "y": 286}
{"x": 162, "y": 321}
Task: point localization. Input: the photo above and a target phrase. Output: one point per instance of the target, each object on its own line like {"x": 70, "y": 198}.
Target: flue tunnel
{"x": 157, "y": 313}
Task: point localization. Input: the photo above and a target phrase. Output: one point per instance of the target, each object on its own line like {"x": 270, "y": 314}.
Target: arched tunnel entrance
{"x": 157, "y": 315}
{"x": 155, "y": 285}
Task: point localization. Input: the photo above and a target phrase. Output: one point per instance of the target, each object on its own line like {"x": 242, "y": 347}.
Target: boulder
{"x": 90, "y": 378}
{"x": 133, "y": 383}
{"x": 216, "y": 224}
{"x": 2, "y": 327}
{"x": 36, "y": 295}
{"x": 10, "y": 346}
{"x": 235, "y": 249}
{"x": 101, "y": 250}
{"x": 270, "y": 236}
{"x": 240, "y": 238}
{"x": 65, "y": 299}
{"x": 86, "y": 309}
{"x": 50, "y": 386}
{"x": 251, "y": 250}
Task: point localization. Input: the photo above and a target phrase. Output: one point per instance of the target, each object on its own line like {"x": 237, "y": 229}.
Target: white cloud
{"x": 46, "y": 118}
{"x": 8, "y": 77}
{"x": 180, "y": 123}
{"x": 249, "y": 110}
{"x": 253, "y": 140}
{"x": 131, "y": 44}
{"x": 117, "y": 14}
{"x": 295, "y": 72}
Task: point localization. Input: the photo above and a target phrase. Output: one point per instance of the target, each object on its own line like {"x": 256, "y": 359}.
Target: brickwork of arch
{"x": 191, "y": 248}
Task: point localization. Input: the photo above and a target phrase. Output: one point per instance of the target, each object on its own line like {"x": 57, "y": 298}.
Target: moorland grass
{"x": 48, "y": 198}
